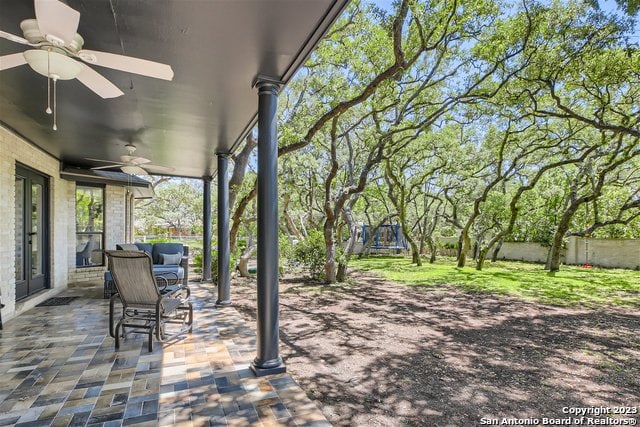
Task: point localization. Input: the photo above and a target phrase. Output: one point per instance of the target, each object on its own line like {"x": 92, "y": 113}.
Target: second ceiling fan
{"x": 133, "y": 165}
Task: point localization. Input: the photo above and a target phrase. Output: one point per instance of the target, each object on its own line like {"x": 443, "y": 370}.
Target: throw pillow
{"x": 170, "y": 259}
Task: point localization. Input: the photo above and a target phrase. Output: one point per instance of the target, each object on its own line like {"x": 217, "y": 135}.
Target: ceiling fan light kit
{"x": 52, "y": 64}
{"x": 57, "y": 49}
{"x": 131, "y": 170}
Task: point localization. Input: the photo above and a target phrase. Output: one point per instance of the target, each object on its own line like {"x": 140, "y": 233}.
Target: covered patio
{"x": 228, "y": 61}
{"x": 58, "y": 367}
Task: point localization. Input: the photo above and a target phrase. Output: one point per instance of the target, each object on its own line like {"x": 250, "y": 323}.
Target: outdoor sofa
{"x": 170, "y": 263}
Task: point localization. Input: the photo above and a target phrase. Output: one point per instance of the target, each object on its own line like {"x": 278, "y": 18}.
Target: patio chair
{"x": 144, "y": 308}
{"x": 84, "y": 256}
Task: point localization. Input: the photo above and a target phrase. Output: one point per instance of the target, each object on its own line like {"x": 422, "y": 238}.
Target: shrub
{"x": 311, "y": 253}
{"x": 286, "y": 248}
{"x": 233, "y": 257}
{"x": 197, "y": 263}
{"x": 196, "y": 260}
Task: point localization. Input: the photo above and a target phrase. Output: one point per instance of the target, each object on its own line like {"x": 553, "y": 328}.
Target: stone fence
{"x": 611, "y": 253}
{"x": 616, "y": 253}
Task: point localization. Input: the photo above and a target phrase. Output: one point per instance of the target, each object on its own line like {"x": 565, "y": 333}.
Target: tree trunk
{"x": 351, "y": 243}
{"x": 482, "y": 255}
{"x": 496, "y": 251}
{"x": 243, "y": 262}
{"x": 415, "y": 253}
{"x": 464, "y": 243}
{"x": 291, "y": 226}
{"x": 553, "y": 260}
{"x": 342, "y": 272}
{"x": 330, "y": 267}
{"x": 240, "y": 162}
{"x": 304, "y": 229}
{"x": 432, "y": 249}
{"x": 243, "y": 266}
{"x": 236, "y": 218}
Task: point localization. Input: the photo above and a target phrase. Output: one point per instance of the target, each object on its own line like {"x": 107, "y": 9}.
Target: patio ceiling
{"x": 216, "y": 49}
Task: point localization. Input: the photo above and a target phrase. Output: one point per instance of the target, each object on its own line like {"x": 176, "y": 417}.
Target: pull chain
{"x": 48, "y": 110}
{"x": 55, "y": 118}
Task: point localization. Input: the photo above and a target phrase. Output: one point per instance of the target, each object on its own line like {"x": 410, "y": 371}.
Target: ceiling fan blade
{"x": 58, "y": 22}
{"x": 99, "y": 84}
{"x": 13, "y": 60}
{"x": 156, "y": 169}
{"x": 102, "y": 160}
{"x": 127, "y": 63}
{"x": 106, "y": 167}
{"x": 133, "y": 170}
{"x": 15, "y": 38}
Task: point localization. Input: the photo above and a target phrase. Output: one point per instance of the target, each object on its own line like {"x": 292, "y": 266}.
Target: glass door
{"x": 31, "y": 232}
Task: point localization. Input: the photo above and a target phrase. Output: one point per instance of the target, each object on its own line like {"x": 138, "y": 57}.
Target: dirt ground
{"x": 378, "y": 353}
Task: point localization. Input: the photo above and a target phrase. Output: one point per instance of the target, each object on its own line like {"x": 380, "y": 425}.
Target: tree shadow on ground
{"x": 387, "y": 354}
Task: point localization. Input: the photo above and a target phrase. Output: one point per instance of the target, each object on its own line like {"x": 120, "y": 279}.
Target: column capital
{"x": 207, "y": 178}
{"x": 223, "y": 154}
{"x": 263, "y": 81}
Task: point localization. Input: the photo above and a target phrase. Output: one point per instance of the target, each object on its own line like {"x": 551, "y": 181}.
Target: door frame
{"x": 28, "y": 284}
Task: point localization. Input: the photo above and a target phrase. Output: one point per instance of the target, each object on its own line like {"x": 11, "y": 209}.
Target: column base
{"x": 223, "y": 303}
{"x": 267, "y": 370}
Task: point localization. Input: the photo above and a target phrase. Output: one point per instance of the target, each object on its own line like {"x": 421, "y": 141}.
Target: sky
{"x": 605, "y": 5}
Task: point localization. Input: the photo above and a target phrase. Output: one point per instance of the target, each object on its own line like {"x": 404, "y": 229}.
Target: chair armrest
{"x": 163, "y": 281}
{"x": 184, "y": 263}
{"x": 112, "y": 302}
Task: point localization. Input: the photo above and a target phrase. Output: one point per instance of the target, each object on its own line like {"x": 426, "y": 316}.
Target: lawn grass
{"x": 570, "y": 286}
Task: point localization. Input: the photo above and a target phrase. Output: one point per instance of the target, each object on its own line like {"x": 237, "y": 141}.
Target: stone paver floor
{"x": 58, "y": 366}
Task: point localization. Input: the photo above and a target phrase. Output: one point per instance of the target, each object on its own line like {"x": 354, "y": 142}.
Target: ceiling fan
{"x": 57, "y": 49}
{"x": 132, "y": 165}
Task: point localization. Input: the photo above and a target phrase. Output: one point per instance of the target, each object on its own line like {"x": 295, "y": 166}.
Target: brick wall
{"x": 62, "y": 238}
{"x": 115, "y": 216}
{"x": 14, "y": 149}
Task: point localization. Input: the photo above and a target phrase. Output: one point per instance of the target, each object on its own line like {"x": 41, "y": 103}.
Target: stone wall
{"x": 523, "y": 251}
{"x": 613, "y": 253}
{"x": 608, "y": 253}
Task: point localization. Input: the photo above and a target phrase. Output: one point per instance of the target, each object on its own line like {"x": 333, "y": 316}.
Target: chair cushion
{"x": 165, "y": 248}
{"x": 147, "y": 247}
{"x": 170, "y": 259}
{"x": 160, "y": 269}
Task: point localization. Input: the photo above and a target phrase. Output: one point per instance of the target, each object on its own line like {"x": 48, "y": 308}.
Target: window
{"x": 89, "y": 225}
